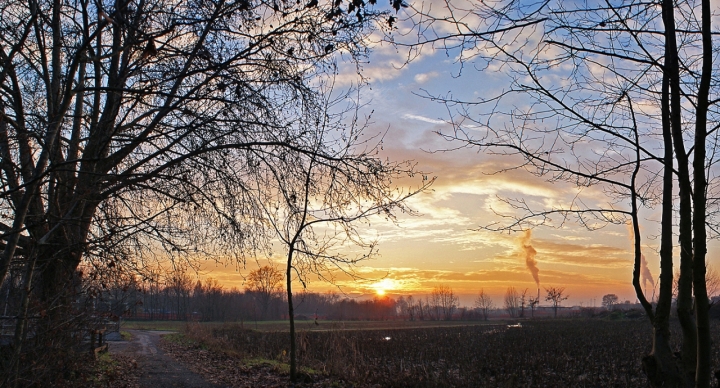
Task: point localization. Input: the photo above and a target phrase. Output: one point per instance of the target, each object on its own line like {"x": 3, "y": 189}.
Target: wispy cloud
{"x": 422, "y": 118}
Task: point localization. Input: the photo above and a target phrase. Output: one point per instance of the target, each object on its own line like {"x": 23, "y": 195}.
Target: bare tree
{"x": 523, "y": 302}
{"x": 212, "y": 292}
{"x": 422, "y": 310}
{"x": 533, "y": 303}
{"x": 712, "y": 280}
{"x": 180, "y": 285}
{"x": 314, "y": 203}
{"x": 556, "y": 296}
{"x": 646, "y": 103}
{"x": 609, "y": 300}
{"x": 445, "y": 300}
{"x": 484, "y": 303}
{"x": 411, "y": 308}
{"x": 265, "y": 283}
{"x": 512, "y": 302}
{"x": 432, "y": 307}
{"x": 402, "y": 307}
{"x": 120, "y": 118}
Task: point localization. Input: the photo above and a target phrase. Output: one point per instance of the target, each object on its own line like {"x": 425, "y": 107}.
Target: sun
{"x": 383, "y": 286}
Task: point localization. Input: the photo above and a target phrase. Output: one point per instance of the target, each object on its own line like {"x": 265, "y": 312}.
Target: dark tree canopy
{"x": 120, "y": 118}
{"x": 609, "y": 301}
{"x": 132, "y": 129}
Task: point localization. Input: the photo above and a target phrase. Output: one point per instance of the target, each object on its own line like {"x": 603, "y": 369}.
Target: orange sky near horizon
{"x": 443, "y": 246}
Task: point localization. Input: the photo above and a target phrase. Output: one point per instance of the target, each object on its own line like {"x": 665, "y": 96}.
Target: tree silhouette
{"x": 556, "y": 297}
{"x": 315, "y": 204}
{"x": 131, "y": 128}
{"x": 512, "y": 302}
{"x": 609, "y": 301}
{"x": 484, "y": 303}
{"x": 265, "y": 283}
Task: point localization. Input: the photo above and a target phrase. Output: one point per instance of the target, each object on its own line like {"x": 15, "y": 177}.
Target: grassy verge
{"x": 183, "y": 340}
{"x": 105, "y": 370}
{"x": 278, "y": 366}
{"x": 200, "y": 337}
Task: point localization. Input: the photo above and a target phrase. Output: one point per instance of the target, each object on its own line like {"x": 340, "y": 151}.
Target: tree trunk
{"x": 660, "y": 365}
{"x": 702, "y": 307}
{"x": 57, "y": 279}
{"x": 291, "y": 317}
{"x": 13, "y": 363}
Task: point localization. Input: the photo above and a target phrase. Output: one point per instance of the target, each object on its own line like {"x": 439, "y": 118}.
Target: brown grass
{"x": 577, "y": 353}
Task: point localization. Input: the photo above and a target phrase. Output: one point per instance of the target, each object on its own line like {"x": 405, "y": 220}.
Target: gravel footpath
{"x": 155, "y": 369}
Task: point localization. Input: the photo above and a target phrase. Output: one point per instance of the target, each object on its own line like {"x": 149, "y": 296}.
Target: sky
{"x": 443, "y": 244}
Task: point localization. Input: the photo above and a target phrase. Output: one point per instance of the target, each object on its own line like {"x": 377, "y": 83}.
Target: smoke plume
{"x": 529, "y": 253}
{"x": 645, "y": 274}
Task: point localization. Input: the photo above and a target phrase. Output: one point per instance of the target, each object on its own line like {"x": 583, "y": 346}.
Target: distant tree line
{"x": 441, "y": 304}
{"x": 176, "y": 295}
{"x": 179, "y": 295}
{"x": 210, "y": 301}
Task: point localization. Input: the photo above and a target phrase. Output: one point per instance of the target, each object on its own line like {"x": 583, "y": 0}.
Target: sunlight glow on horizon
{"x": 383, "y": 286}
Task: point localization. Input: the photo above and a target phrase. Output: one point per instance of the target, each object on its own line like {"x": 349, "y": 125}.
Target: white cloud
{"x": 422, "y": 118}
{"x": 421, "y": 78}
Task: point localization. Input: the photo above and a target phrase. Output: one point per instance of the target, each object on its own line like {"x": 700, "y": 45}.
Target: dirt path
{"x": 156, "y": 369}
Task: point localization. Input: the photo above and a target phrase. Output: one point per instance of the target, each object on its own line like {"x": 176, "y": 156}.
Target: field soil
{"x": 539, "y": 353}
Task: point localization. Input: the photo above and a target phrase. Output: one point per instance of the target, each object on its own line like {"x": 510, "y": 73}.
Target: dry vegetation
{"x": 577, "y": 353}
